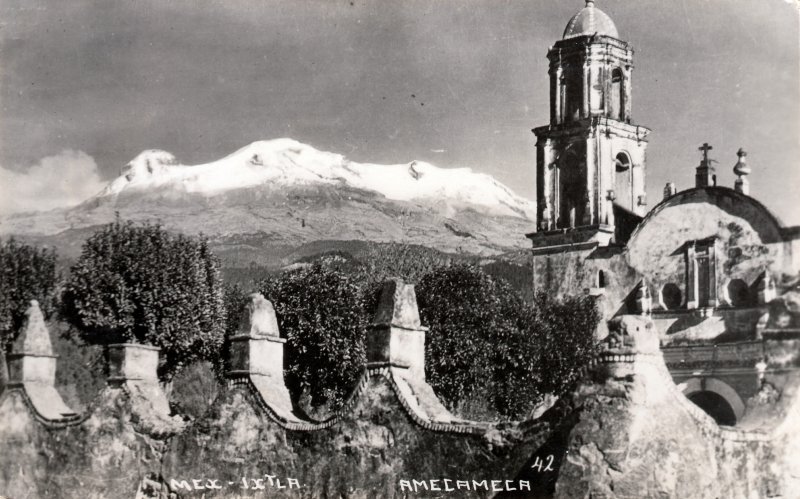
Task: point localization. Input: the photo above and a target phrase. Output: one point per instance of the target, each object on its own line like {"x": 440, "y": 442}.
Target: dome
{"x": 590, "y": 21}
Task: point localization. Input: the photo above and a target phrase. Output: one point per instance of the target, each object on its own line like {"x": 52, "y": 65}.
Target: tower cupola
{"x": 590, "y": 21}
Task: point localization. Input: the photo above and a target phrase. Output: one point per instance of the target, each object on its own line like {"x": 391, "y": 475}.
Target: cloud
{"x": 57, "y": 181}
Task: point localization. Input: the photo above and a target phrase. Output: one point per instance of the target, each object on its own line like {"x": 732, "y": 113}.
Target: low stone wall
{"x": 625, "y": 431}
{"x": 638, "y": 436}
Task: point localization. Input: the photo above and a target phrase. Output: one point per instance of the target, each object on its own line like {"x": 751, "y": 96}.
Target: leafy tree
{"x": 410, "y": 262}
{"x": 26, "y": 273}
{"x": 320, "y": 315}
{"x": 235, "y": 300}
{"x": 564, "y": 334}
{"x": 475, "y": 340}
{"x": 485, "y": 343}
{"x": 147, "y": 285}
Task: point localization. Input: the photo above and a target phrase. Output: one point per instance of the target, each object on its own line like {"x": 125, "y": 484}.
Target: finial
{"x": 705, "y": 148}
{"x": 670, "y": 190}
{"x": 742, "y": 171}
{"x": 34, "y": 339}
{"x": 705, "y": 176}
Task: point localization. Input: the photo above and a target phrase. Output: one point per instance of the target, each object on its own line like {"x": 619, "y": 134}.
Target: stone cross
{"x": 705, "y": 148}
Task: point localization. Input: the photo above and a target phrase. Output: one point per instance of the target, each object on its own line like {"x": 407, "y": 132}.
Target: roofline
{"x": 782, "y": 229}
{"x": 593, "y": 38}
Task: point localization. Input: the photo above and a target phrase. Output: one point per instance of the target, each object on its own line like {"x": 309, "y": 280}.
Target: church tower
{"x": 590, "y": 159}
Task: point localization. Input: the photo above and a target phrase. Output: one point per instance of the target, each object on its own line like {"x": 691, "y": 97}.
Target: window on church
{"x": 738, "y": 293}
{"x": 617, "y": 96}
{"x": 701, "y": 274}
{"x": 601, "y": 279}
{"x": 623, "y": 181}
{"x": 671, "y": 297}
{"x": 574, "y": 97}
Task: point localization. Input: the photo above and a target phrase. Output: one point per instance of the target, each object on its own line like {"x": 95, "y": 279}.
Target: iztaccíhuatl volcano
{"x": 274, "y": 196}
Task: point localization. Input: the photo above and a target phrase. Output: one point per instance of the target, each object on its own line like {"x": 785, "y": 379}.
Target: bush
{"x": 147, "y": 285}
{"x": 26, "y": 273}
{"x": 320, "y": 314}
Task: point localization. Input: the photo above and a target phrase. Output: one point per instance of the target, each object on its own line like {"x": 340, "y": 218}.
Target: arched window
{"x": 623, "y": 181}
{"x": 738, "y": 293}
{"x": 671, "y": 297}
{"x": 573, "y": 89}
{"x": 617, "y": 96}
{"x": 601, "y": 279}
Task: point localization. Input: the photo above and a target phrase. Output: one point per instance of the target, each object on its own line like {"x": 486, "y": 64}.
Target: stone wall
{"x": 624, "y": 431}
{"x": 578, "y": 272}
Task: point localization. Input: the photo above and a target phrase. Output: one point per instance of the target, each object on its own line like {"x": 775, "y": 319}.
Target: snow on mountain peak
{"x": 287, "y": 162}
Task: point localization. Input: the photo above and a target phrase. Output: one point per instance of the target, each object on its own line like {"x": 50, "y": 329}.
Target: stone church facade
{"x": 704, "y": 262}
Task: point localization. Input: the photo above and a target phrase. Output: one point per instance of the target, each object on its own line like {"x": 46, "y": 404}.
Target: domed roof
{"x": 590, "y": 21}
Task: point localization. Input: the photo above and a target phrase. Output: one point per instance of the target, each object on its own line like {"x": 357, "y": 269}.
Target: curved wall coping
{"x": 46, "y": 419}
{"x": 400, "y": 385}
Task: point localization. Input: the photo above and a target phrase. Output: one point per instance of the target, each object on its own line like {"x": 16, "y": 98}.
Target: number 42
{"x": 539, "y": 465}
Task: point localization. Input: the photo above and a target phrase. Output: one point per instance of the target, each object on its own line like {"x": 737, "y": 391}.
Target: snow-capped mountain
{"x": 274, "y": 196}
{"x": 283, "y": 163}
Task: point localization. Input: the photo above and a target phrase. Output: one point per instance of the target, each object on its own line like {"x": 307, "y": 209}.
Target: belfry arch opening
{"x": 617, "y": 95}
{"x": 623, "y": 180}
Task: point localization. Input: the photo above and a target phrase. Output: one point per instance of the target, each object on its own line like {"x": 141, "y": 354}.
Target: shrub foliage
{"x": 486, "y": 342}
{"x": 145, "y": 284}
{"x": 563, "y": 332}
{"x": 26, "y": 273}
{"x": 320, "y": 314}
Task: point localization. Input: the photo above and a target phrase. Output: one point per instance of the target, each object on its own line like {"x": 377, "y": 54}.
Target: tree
{"x": 26, "y": 273}
{"x": 487, "y": 345}
{"x": 475, "y": 347}
{"x": 320, "y": 314}
{"x": 564, "y": 334}
{"x": 235, "y": 300}
{"x": 144, "y": 284}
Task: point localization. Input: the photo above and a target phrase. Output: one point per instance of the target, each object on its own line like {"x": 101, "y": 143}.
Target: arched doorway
{"x": 717, "y": 398}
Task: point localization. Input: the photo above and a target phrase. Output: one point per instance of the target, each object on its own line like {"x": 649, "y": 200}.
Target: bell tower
{"x": 590, "y": 159}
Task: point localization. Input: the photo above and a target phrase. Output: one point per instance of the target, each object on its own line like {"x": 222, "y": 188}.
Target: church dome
{"x": 590, "y": 21}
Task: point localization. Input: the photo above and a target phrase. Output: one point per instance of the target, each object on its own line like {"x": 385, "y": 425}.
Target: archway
{"x": 715, "y": 406}
{"x": 717, "y": 398}
{"x": 623, "y": 181}
{"x": 617, "y": 96}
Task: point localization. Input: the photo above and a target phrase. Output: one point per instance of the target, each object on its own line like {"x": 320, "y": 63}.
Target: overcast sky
{"x": 87, "y": 85}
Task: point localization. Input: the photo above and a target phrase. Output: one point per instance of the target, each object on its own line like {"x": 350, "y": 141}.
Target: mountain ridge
{"x": 288, "y": 194}
{"x": 286, "y": 162}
